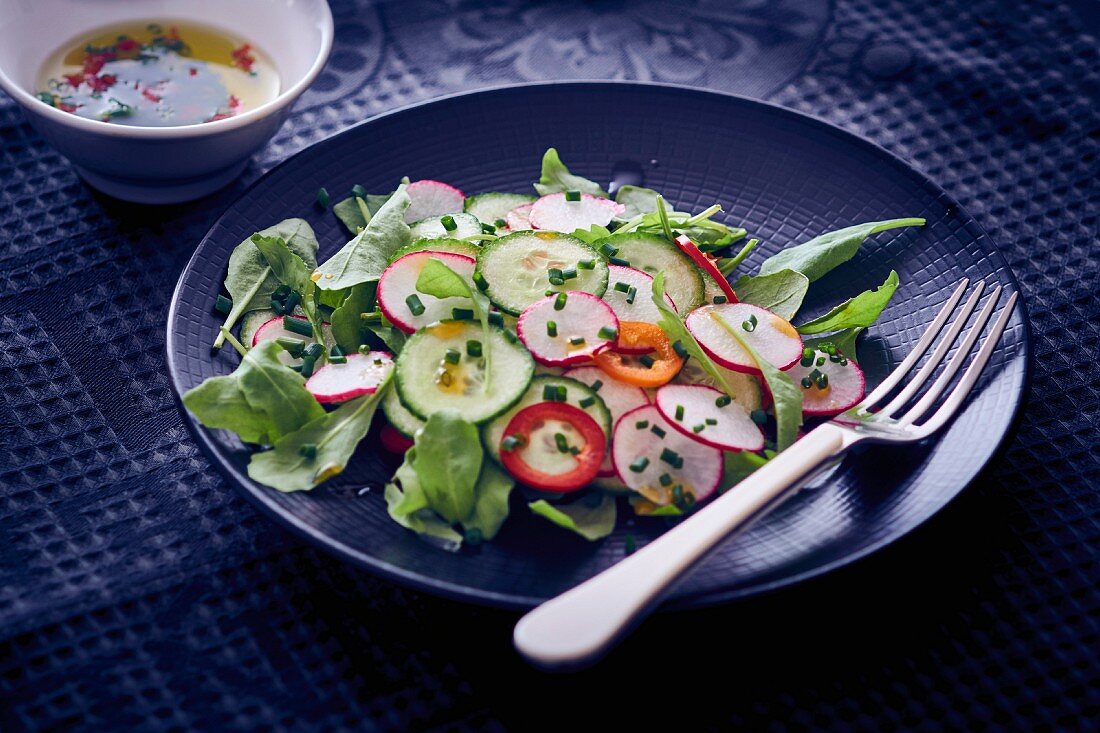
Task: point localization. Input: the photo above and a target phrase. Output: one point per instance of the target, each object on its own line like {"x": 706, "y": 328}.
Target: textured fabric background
{"x": 138, "y": 592}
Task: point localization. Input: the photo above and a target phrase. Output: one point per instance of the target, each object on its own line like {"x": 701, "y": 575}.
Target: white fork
{"x": 580, "y": 625}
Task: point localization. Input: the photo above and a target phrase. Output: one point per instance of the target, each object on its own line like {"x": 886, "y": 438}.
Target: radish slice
{"x": 706, "y": 264}
{"x": 748, "y": 391}
{"x": 273, "y": 329}
{"x": 398, "y": 284}
{"x": 569, "y": 334}
{"x": 630, "y": 294}
{"x": 844, "y": 389}
{"x": 555, "y": 213}
{"x": 359, "y": 375}
{"x": 619, "y": 397}
{"x": 773, "y": 337}
{"x": 519, "y": 219}
{"x": 709, "y": 416}
{"x": 393, "y": 441}
{"x": 646, "y": 448}
{"x": 432, "y": 198}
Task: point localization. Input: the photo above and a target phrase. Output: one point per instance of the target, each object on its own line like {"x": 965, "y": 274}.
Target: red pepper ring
{"x": 706, "y": 264}
{"x": 517, "y": 441}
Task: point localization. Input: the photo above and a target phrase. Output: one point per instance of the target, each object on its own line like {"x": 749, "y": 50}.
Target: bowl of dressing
{"x": 160, "y": 101}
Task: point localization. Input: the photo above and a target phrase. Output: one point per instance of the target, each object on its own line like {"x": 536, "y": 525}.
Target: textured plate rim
{"x": 258, "y": 496}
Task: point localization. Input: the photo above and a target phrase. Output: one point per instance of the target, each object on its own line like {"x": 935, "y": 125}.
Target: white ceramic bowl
{"x": 159, "y": 165}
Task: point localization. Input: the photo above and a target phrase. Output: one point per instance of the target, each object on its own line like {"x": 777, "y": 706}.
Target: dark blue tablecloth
{"x": 137, "y": 591}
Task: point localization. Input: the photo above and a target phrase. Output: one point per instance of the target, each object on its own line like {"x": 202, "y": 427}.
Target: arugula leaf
{"x": 494, "y": 485}
{"x": 407, "y": 505}
{"x": 292, "y": 271}
{"x": 844, "y": 340}
{"x": 556, "y": 178}
{"x": 593, "y": 522}
{"x": 318, "y": 450}
{"x": 676, "y": 331}
{"x": 637, "y": 200}
{"x": 261, "y": 401}
{"x": 858, "y": 312}
{"x": 824, "y": 252}
{"x": 351, "y": 213}
{"x": 368, "y": 253}
{"x": 440, "y": 281}
{"x": 250, "y": 281}
{"x": 347, "y": 320}
{"x": 785, "y": 393}
{"x": 448, "y": 461}
{"x": 781, "y": 292}
{"x": 737, "y": 466}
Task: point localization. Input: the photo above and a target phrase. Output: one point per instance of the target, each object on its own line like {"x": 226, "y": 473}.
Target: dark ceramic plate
{"x": 782, "y": 175}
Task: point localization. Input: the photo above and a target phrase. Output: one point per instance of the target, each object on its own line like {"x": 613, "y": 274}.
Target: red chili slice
{"x": 706, "y": 264}
{"x": 517, "y": 442}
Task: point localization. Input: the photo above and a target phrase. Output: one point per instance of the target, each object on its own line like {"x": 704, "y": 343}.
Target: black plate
{"x": 783, "y": 175}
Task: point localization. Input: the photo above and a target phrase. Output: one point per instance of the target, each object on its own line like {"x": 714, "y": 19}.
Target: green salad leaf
{"x": 637, "y": 200}
{"x": 592, "y": 233}
{"x": 858, "y": 312}
{"x": 556, "y": 178}
{"x": 494, "y": 486}
{"x": 292, "y": 271}
{"x": 786, "y": 394}
{"x": 250, "y": 280}
{"x": 393, "y": 337}
{"x": 592, "y": 517}
{"x": 448, "y": 462}
{"x": 780, "y": 292}
{"x": 318, "y": 450}
{"x": 737, "y": 466}
{"x": 365, "y": 257}
{"x": 844, "y": 340}
{"x": 407, "y": 504}
{"x": 356, "y": 212}
{"x": 440, "y": 281}
{"x": 821, "y": 254}
{"x": 261, "y": 401}
{"x": 347, "y": 320}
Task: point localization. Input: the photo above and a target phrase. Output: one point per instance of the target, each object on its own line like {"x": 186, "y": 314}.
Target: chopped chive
{"x": 551, "y": 328}
{"x": 622, "y": 287}
{"x": 548, "y": 293}
{"x": 630, "y": 545}
{"x": 596, "y": 385}
{"x": 670, "y": 456}
{"x": 723, "y": 400}
{"x": 815, "y": 374}
{"x": 292, "y": 346}
{"x": 587, "y": 401}
{"x": 678, "y": 494}
{"x": 821, "y": 361}
{"x": 510, "y": 336}
{"x": 559, "y": 302}
{"x": 619, "y": 261}
{"x": 658, "y": 431}
{"x": 297, "y": 325}
{"x": 473, "y": 348}
{"x": 223, "y": 304}
{"x": 313, "y": 351}
{"x": 322, "y": 198}
{"x": 473, "y": 537}
{"x": 308, "y": 451}
{"x": 642, "y": 424}
{"x": 496, "y": 318}
{"x": 574, "y": 450}
{"x": 804, "y": 362}
{"x": 551, "y": 393}
{"x": 572, "y": 195}
{"x": 307, "y": 367}
{"x": 452, "y": 356}
{"x": 337, "y": 355}
{"x": 689, "y": 500}
{"x": 372, "y": 317}
{"x": 759, "y": 416}
{"x": 557, "y": 282}
{"x": 576, "y": 341}
{"x": 699, "y": 428}
{"x": 608, "y": 332}
{"x": 462, "y": 314}
{"x": 807, "y": 383}
{"x": 823, "y": 381}
{"x": 639, "y": 464}
{"x": 647, "y": 361}
{"x": 358, "y": 191}
{"x": 679, "y": 412}
{"x": 680, "y": 349}
{"x": 808, "y": 353}
{"x": 711, "y": 421}
{"x": 554, "y": 272}
{"x": 631, "y": 295}
{"x": 448, "y": 222}
{"x": 500, "y": 223}
{"x": 750, "y": 324}
{"x": 480, "y": 281}
{"x": 586, "y": 264}
{"x": 488, "y": 229}
{"x": 560, "y": 442}
{"x": 720, "y": 299}
{"x": 569, "y": 273}
{"x": 511, "y": 442}
{"x": 666, "y": 480}
{"x": 415, "y": 306}
{"x": 607, "y": 250}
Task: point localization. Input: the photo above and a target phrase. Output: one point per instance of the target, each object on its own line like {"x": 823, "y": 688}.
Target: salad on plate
{"x": 587, "y": 351}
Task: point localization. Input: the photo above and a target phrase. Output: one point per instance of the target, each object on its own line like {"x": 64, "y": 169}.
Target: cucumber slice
{"x": 516, "y": 267}
{"x": 428, "y": 382}
{"x": 489, "y": 207}
{"x": 467, "y": 225}
{"x": 399, "y": 416}
{"x": 441, "y": 244}
{"x": 575, "y": 393}
{"x": 251, "y": 322}
{"x": 651, "y": 253}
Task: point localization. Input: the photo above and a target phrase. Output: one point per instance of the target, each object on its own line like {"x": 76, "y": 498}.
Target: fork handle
{"x": 580, "y": 625}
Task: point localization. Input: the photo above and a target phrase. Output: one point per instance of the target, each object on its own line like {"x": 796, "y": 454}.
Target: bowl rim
{"x": 32, "y": 104}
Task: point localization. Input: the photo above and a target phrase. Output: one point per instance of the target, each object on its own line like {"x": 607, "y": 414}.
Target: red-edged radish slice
{"x": 556, "y": 213}
{"x": 709, "y": 416}
{"x": 393, "y": 441}
{"x": 653, "y": 458}
{"x": 567, "y": 328}
{"x": 432, "y": 198}
{"x": 273, "y": 329}
{"x": 619, "y": 397}
{"x": 844, "y": 386}
{"x": 748, "y": 390}
{"x": 773, "y": 337}
{"x": 398, "y": 284}
{"x": 519, "y": 219}
{"x": 359, "y": 375}
{"x": 630, "y": 294}
{"x": 706, "y": 264}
